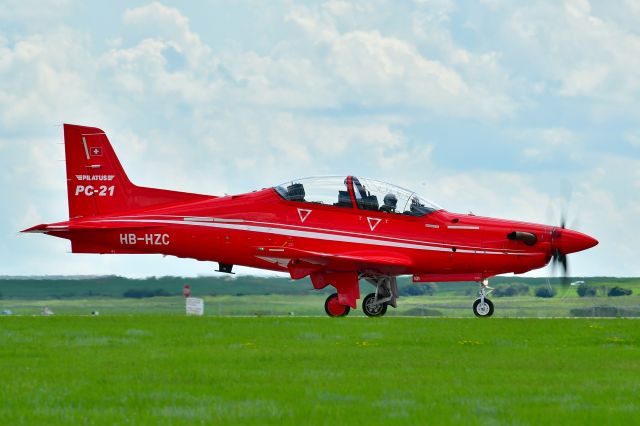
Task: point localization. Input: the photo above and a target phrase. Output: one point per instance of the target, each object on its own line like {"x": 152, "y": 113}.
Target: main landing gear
{"x": 334, "y": 308}
{"x": 374, "y": 304}
{"x": 372, "y": 307}
{"x": 483, "y": 307}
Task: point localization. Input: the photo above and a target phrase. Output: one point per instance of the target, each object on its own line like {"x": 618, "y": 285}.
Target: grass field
{"x": 172, "y": 369}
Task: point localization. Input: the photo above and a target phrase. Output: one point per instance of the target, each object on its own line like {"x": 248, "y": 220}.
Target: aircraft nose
{"x": 569, "y": 241}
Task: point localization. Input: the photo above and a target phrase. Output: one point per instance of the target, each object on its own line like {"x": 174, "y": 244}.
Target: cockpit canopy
{"x": 368, "y": 194}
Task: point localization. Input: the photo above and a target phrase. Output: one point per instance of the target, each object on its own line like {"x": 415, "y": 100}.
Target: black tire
{"x": 482, "y": 311}
{"x": 373, "y": 311}
{"x": 331, "y": 307}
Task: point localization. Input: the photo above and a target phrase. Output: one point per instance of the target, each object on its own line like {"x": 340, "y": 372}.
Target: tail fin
{"x": 97, "y": 183}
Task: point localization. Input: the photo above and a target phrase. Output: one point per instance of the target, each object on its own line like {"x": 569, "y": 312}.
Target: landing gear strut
{"x": 483, "y": 307}
{"x": 334, "y": 308}
{"x": 375, "y": 304}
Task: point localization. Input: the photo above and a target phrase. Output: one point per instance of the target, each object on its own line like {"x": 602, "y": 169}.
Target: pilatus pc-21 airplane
{"x": 335, "y": 230}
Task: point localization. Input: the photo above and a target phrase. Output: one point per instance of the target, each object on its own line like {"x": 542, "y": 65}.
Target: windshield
{"x": 368, "y": 194}
{"x": 375, "y": 195}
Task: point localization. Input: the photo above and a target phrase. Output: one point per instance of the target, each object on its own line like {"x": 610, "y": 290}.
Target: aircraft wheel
{"x": 333, "y": 308}
{"x": 372, "y": 310}
{"x": 483, "y": 309}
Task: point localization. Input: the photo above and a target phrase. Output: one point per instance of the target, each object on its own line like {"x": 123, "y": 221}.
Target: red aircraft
{"x": 335, "y": 230}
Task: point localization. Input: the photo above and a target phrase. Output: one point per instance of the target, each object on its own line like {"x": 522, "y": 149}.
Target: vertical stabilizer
{"x": 96, "y": 182}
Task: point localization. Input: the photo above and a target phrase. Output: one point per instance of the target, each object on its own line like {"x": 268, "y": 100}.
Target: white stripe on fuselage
{"x": 309, "y": 234}
{"x": 331, "y": 231}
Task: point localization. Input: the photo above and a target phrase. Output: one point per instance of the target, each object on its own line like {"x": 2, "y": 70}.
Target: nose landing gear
{"x": 483, "y": 307}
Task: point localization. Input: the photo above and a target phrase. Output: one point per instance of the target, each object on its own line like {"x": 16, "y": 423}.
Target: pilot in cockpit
{"x": 390, "y": 202}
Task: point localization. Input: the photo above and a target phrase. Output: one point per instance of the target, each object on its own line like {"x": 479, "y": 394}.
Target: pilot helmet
{"x": 390, "y": 200}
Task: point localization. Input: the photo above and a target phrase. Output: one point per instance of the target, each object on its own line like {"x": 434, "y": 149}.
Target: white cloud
{"x": 589, "y": 55}
{"x": 632, "y": 138}
{"x": 495, "y": 194}
{"x": 167, "y": 23}
{"x": 431, "y": 26}
{"x": 305, "y": 145}
{"x": 581, "y": 81}
{"x": 44, "y": 76}
{"x": 549, "y": 144}
{"x": 142, "y": 71}
{"x": 374, "y": 69}
{"x": 284, "y": 80}
{"x": 33, "y": 11}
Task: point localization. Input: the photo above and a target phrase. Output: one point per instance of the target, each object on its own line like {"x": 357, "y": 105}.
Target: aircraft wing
{"x": 301, "y": 263}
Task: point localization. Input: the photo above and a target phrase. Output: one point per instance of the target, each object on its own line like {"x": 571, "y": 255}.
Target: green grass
{"x": 150, "y": 369}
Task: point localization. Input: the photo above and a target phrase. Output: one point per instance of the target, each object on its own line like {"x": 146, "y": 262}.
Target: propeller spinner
{"x": 565, "y": 241}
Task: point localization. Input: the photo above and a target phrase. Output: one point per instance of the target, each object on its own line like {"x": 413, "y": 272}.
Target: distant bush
{"x": 514, "y": 289}
{"x": 619, "y": 291}
{"x": 622, "y": 312}
{"x": 419, "y": 289}
{"x": 545, "y": 291}
{"x": 604, "y": 311}
{"x": 584, "y": 290}
{"x": 423, "y": 312}
{"x": 143, "y": 292}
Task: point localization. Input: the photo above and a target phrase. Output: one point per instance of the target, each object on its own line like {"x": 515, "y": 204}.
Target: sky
{"x": 518, "y": 110}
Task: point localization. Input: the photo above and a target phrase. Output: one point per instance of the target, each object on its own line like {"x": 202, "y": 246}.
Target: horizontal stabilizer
{"x": 38, "y": 229}
{"x": 84, "y": 226}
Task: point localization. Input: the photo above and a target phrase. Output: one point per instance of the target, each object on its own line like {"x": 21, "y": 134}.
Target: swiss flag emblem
{"x": 95, "y": 151}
